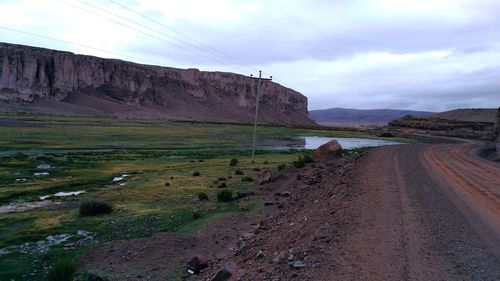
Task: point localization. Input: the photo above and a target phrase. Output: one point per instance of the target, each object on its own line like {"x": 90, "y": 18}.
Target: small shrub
{"x": 196, "y": 214}
{"x": 171, "y": 178}
{"x": 221, "y": 179}
{"x": 308, "y": 159}
{"x": 256, "y": 169}
{"x": 247, "y": 179}
{"x": 167, "y": 184}
{"x": 201, "y": 160}
{"x": 95, "y": 207}
{"x": 238, "y": 172}
{"x": 299, "y": 163}
{"x": 233, "y": 162}
{"x": 62, "y": 271}
{"x": 266, "y": 162}
{"x": 225, "y": 196}
{"x": 281, "y": 167}
{"x": 196, "y": 174}
{"x": 222, "y": 185}
{"x": 202, "y": 196}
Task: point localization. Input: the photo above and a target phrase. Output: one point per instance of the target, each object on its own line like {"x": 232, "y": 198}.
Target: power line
{"x": 207, "y": 48}
{"x": 76, "y": 44}
{"x": 210, "y": 49}
{"x": 145, "y": 33}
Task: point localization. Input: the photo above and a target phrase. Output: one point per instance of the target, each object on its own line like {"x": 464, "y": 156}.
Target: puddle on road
{"x": 41, "y": 174}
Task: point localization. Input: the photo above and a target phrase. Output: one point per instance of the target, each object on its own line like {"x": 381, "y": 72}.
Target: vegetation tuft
{"x": 302, "y": 161}
{"x": 95, "y": 207}
{"x": 196, "y": 174}
{"x": 247, "y": 179}
{"x": 222, "y": 185}
{"x": 196, "y": 214}
{"x": 225, "y": 196}
{"x": 62, "y": 271}
{"x": 202, "y": 196}
{"x": 238, "y": 172}
{"x": 233, "y": 162}
{"x": 281, "y": 167}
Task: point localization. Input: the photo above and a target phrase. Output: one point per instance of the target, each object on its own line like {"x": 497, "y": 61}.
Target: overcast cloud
{"x": 423, "y": 55}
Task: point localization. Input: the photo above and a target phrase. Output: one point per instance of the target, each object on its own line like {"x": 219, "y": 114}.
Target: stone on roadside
{"x": 298, "y": 264}
{"x": 279, "y": 258}
{"x": 225, "y": 272}
{"x": 264, "y": 177}
{"x": 331, "y": 149}
{"x": 260, "y": 254}
{"x": 197, "y": 264}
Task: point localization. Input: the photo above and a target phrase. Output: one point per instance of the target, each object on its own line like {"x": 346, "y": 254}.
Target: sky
{"x": 433, "y": 55}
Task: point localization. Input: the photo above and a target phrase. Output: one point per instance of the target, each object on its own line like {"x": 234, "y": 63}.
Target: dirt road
{"x": 425, "y": 212}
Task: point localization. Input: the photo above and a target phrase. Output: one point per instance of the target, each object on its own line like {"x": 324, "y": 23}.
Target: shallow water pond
{"x": 313, "y": 142}
{"x": 346, "y": 143}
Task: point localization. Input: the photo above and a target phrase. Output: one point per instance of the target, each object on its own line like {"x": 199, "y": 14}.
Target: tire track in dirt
{"x": 439, "y": 199}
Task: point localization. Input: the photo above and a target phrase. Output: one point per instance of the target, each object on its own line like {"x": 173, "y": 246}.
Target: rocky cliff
{"x": 449, "y": 125}
{"x": 57, "y": 81}
{"x": 496, "y": 155}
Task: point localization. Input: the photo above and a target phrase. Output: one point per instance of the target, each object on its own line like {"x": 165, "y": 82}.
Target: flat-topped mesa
{"x": 498, "y": 135}
{"x": 30, "y": 75}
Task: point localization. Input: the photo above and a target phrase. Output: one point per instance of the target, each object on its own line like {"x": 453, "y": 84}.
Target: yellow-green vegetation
{"x": 151, "y": 172}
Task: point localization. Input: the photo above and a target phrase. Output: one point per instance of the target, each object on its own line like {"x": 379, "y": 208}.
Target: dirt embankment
{"x": 295, "y": 199}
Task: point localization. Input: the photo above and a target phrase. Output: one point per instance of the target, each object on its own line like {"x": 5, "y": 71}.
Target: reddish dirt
{"x": 160, "y": 256}
{"x": 406, "y": 212}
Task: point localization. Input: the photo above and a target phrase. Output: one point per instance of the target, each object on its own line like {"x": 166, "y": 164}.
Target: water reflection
{"x": 346, "y": 143}
{"x": 313, "y": 142}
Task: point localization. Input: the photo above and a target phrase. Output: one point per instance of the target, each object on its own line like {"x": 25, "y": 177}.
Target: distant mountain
{"x": 468, "y": 115}
{"x": 360, "y": 117}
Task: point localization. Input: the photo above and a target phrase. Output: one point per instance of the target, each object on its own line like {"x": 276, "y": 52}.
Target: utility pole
{"x": 259, "y": 87}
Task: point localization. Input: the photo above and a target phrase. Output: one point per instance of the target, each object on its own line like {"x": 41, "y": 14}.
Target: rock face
{"x": 497, "y": 131}
{"x": 444, "y": 127}
{"x": 34, "y": 76}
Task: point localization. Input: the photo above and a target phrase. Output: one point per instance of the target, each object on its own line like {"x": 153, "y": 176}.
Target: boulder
{"x": 331, "y": 149}
{"x": 225, "y": 272}
{"x": 298, "y": 264}
{"x": 197, "y": 264}
{"x": 264, "y": 177}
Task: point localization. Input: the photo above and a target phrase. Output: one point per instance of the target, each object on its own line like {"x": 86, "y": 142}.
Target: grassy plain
{"x": 159, "y": 193}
